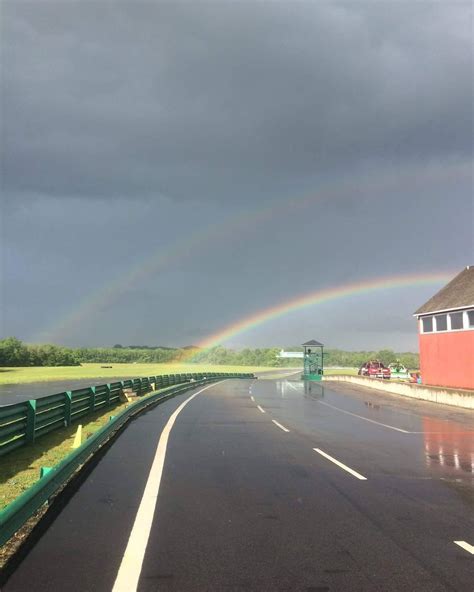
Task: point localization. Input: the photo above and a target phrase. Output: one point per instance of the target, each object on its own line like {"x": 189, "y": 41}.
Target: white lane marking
{"x": 277, "y": 376}
{"x": 262, "y": 410}
{"x": 280, "y": 426}
{"x": 253, "y": 399}
{"x": 466, "y": 546}
{"x": 359, "y": 416}
{"x": 340, "y": 464}
{"x": 378, "y": 422}
{"x": 132, "y": 560}
{"x": 292, "y": 386}
{"x": 364, "y": 418}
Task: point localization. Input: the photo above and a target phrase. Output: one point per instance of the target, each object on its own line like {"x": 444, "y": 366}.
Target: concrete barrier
{"x": 435, "y": 394}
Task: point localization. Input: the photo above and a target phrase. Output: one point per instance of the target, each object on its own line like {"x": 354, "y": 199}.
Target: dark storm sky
{"x": 303, "y": 145}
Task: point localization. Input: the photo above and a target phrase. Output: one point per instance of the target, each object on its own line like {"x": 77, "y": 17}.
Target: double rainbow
{"x": 187, "y": 247}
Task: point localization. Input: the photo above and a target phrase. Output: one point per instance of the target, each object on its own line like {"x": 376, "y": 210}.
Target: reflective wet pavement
{"x": 244, "y": 505}
{"x": 438, "y": 438}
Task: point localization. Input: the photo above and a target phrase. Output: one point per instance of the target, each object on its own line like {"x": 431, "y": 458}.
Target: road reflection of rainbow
{"x": 314, "y": 298}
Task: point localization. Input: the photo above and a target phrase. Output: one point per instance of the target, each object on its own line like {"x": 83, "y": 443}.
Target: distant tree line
{"x": 351, "y": 359}
{"x": 14, "y": 352}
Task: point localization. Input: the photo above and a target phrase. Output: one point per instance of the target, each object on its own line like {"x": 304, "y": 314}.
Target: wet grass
{"x": 339, "y": 371}
{"x": 21, "y": 468}
{"x": 96, "y": 372}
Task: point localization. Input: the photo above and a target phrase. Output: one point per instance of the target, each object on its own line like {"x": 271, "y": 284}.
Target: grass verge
{"x": 97, "y": 372}
{"x": 21, "y": 468}
{"x": 340, "y": 371}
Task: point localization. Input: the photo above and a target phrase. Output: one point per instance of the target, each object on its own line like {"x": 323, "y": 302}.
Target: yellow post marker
{"x": 78, "y": 437}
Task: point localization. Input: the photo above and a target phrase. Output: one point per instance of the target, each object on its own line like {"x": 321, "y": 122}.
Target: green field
{"x": 96, "y": 372}
{"x": 333, "y": 371}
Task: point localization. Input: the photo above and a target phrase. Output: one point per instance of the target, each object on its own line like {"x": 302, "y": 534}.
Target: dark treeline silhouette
{"x": 14, "y": 352}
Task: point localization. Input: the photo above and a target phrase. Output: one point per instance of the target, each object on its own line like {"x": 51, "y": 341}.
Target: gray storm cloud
{"x": 220, "y": 101}
{"x": 127, "y": 125}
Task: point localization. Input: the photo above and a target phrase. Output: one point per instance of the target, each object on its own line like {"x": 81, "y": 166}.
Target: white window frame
{"x": 422, "y": 331}
{"x": 466, "y": 319}
{"x": 435, "y": 322}
{"x": 462, "y": 321}
{"x": 433, "y": 316}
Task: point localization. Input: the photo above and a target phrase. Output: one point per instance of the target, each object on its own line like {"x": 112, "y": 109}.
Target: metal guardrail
{"x": 13, "y": 516}
{"x": 23, "y": 423}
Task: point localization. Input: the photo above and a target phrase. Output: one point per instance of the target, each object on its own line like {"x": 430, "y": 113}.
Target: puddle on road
{"x": 448, "y": 445}
{"x": 372, "y": 405}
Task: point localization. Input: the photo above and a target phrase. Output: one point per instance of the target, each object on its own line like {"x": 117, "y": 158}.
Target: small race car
{"x": 374, "y": 369}
{"x": 398, "y": 370}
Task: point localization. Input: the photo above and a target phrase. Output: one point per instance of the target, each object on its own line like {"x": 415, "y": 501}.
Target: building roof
{"x": 459, "y": 293}
{"x": 313, "y": 342}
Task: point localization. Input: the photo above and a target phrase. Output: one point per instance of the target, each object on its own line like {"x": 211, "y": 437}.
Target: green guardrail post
{"x": 67, "y": 408}
{"x": 92, "y": 399}
{"x": 107, "y": 395}
{"x": 30, "y": 421}
{"x": 44, "y": 471}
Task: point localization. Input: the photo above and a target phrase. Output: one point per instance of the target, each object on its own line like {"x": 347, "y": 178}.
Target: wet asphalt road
{"x": 244, "y": 505}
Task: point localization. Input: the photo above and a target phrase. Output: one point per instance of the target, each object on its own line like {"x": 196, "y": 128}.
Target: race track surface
{"x": 271, "y": 485}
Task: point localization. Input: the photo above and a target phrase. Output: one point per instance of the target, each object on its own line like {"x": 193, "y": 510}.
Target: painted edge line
{"x": 253, "y": 398}
{"x": 364, "y": 418}
{"x": 260, "y": 409}
{"x": 132, "y": 559}
{"x": 466, "y": 546}
{"x": 340, "y": 464}
{"x": 280, "y": 426}
{"x": 359, "y": 416}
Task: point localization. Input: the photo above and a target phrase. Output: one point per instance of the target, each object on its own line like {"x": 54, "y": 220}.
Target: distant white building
{"x": 284, "y": 354}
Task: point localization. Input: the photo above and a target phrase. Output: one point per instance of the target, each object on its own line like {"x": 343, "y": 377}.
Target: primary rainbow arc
{"x": 318, "y": 297}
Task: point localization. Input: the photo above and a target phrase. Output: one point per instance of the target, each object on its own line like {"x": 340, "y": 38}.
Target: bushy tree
{"x": 387, "y": 356}
{"x": 52, "y": 355}
{"x": 13, "y": 352}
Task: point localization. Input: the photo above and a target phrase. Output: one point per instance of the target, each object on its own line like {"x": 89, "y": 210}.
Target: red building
{"x": 446, "y": 334}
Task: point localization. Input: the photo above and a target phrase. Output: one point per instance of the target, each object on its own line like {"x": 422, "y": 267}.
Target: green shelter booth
{"x": 313, "y": 364}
